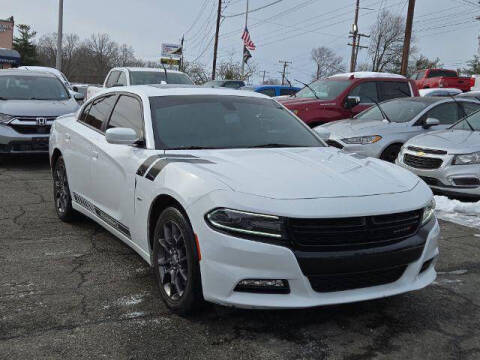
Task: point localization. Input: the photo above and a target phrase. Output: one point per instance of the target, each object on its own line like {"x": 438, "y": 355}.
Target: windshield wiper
{"x": 189, "y": 148}
{"x": 308, "y": 86}
{"x": 274, "y": 145}
{"x": 384, "y": 114}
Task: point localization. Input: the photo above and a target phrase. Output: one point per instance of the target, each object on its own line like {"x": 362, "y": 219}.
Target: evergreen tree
{"x": 25, "y": 46}
{"x": 473, "y": 66}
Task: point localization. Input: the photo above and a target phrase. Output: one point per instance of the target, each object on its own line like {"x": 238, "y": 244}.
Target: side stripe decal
{"x": 146, "y": 164}
{"x": 159, "y": 165}
{"x": 102, "y": 215}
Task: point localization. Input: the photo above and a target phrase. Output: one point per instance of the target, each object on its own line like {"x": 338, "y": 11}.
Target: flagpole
{"x": 243, "y": 48}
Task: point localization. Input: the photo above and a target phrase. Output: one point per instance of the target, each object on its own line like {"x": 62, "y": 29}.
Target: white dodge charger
{"x": 233, "y": 200}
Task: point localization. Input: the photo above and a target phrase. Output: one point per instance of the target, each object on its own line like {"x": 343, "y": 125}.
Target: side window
{"x": 112, "y": 78}
{"x": 470, "y": 107}
{"x": 393, "y": 89}
{"x": 127, "y": 114}
{"x": 268, "y": 91}
{"x": 367, "y": 91}
{"x": 447, "y": 113}
{"x": 122, "y": 79}
{"x": 84, "y": 113}
{"x": 99, "y": 111}
{"x": 287, "y": 92}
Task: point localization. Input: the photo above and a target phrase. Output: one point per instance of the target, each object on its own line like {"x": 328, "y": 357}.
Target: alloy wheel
{"x": 61, "y": 188}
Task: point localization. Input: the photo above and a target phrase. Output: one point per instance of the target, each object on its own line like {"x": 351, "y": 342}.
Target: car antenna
{"x": 384, "y": 114}
{"x": 308, "y": 86}
{"x": 166, "y": 76}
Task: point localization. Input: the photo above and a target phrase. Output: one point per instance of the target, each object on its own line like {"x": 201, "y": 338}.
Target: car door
{"x": 367, "y": 91}
{"x": 114, "y": 166}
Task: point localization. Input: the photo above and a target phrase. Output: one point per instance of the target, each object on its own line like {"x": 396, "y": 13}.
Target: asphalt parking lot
{"x": 71, "y": 291}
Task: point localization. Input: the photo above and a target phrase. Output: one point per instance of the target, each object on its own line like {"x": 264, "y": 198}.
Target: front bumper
{"x": 13, "y": 142}
{"x": 448, "y": 178}
{"x": 226, "y": 260}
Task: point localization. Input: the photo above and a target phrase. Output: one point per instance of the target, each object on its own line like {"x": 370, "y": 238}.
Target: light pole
{"x": 58, "y": 64}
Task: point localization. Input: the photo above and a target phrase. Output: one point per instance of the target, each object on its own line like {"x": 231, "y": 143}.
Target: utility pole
{"x": 58, "y": 64}
{"x": 215, "y": 47}
{"x": 263, "y": 77}
{"x": 408, "y": 37}
{"x": 243, "y": 48}
{"x": 354, "y": 33}
{"x": 285, "y": 64}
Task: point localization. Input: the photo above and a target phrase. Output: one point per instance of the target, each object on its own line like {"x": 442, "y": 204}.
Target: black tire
{"x": 176, "y": 263}
{"x": 391, "y": 152}
{"x": 61, "y": 192}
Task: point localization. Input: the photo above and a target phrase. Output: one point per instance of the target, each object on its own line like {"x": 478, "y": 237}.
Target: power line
{"x": 254, "y": 10}
{"x": 202, "y": 9}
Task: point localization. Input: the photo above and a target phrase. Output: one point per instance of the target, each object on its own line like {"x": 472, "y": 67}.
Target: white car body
{"x": 117, "y": 185}
{"x": 125, "y": 71}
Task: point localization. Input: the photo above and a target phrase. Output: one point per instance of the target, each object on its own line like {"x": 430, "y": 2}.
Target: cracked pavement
{"x": 74, "y": 291}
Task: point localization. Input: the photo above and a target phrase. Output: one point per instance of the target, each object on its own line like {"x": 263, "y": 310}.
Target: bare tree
{"x": 386, "y": 42}
{"x": 271, "y": 81}
{"x": 197, "y": 72}
{"x": 103, "y": 53}
{"x": 230, "y": 70}
{"x": 326, "y": 62}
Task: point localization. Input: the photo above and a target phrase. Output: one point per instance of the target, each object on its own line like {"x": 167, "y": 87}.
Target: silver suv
{"x": 29, "y": 103}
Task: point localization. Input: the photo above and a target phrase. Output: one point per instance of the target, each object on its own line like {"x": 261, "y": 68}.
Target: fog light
{"x": 263, "y": 286}
{"x": 427, "y": 264}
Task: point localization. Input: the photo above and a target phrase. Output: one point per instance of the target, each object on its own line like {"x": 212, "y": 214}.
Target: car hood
{"x": 302, "y": 173}
{"x": 37, "y": 107}
{"x": 453, "y": 141}
{"x": 360, "y": 127}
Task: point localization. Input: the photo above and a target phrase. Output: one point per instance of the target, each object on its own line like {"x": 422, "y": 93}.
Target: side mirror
{"x": 429, "y": 122}
{"x": 322, "y": 133}
{"x": 75, "y": 88}
{"x": 121, "y": 136}
{"x": 352, "y": 101}
{"x": 78, "y": 96}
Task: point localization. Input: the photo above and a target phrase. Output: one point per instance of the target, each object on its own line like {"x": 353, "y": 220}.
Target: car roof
{"x": 129, "y": 68}
{"x": 25, "y": 72}
{"x": 185, "y": 90}
{"x": 367, "y": 74}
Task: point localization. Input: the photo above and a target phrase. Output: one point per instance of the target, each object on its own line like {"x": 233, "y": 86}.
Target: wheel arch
{"x": 393, "y": 143}
{"x": 55, "y": 155}
{"x": 160, "y": 203}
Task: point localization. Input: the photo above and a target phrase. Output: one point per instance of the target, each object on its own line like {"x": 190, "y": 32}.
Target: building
{"x": 8, "y": 57}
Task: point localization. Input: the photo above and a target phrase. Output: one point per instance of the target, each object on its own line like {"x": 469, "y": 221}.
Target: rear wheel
{"x": 175, "y": 262}
{"x": 61, "y": 192}
{"x": 391, "y": 152}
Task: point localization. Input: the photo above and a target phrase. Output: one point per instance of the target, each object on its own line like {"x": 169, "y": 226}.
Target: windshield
{"x": 222, "y": 122}
{"x": 20, "y": 87}
{"x": 469, "y": 122}
{"x": 398, "y": 110}
{"x": 156, "y": 77}
{"x": 324, "y": 89}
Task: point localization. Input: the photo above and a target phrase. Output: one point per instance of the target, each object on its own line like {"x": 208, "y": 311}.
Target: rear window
{"x": 393, "y": 89}
{"x": 442, "y": 73}
{"x": 156, "y": 77}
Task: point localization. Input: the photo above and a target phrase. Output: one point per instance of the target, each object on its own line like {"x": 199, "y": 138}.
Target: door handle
{"x": 95, "y": 155}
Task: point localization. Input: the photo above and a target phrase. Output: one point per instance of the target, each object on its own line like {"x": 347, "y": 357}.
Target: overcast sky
{"x": 287, "y": 30}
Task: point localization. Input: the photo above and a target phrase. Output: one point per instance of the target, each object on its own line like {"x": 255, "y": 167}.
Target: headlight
{"x": 428, "y": 212}
{"x": 363, "y": 140}
{"x": 5, "y": 119}
{"x": 235, "y": 221}
{"x": 467, "y": 159}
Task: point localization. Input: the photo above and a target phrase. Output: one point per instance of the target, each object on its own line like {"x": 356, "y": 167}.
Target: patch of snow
{"x": 446, "y": 281}
{"x": 455, "y": 272}
{"x": 128, "y": 300}
{"x": 463, "y": 213}
{"x": 133, "y": 315}
{"x": 369, "y": 74}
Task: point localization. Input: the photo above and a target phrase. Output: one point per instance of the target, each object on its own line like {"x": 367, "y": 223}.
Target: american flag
{"x": 247, "y": 41}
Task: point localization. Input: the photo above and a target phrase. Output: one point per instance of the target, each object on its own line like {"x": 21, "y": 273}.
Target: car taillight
{"x": 472, "y": 81}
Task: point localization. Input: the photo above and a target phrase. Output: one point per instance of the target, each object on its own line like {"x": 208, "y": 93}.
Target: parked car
{"x": 440, "y": 92}
{"x": 470, "y": 95}
{"x": 231, "y": 84}
{"x": 441, "y": 78}
{"x": 233, "y": 200}
{"x": 345, "y": 95}
{"x": 126, "y": 76}
{"x": 30, "y": 101}
{"x": 447, "y": 160}
{"x": 273, "y": 90}
{"x": 61, "y": 76}
{"x": 382, "y": 130}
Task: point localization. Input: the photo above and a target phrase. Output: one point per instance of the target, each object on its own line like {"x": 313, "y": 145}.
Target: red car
{"x": 441, "y": 78}
{"x": 344, "y": 95}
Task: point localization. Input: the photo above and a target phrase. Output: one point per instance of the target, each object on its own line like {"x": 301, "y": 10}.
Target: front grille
{"x": 349, "y": 281}
{"x": 23, "y": 125}
{"x": 421, "y": 162}
{"x": 334, "y": 143}
{"x": 352, "y": 233}
{"x": 428, "y": 151}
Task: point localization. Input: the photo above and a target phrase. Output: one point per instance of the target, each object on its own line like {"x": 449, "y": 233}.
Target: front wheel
{"x": 391, "y": 152}
{"x": 176, "y": 262}
{"x": 61, "y": 192}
